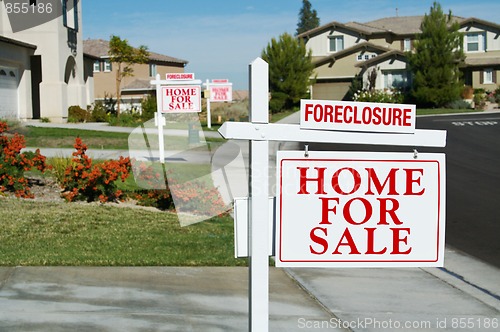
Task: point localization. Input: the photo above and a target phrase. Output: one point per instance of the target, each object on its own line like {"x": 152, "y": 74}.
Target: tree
{"x": 436, "y": 60}
{"x": 290, "y": 69}
{"x": 124, "y": 56}
{"x": 308, "y": 18}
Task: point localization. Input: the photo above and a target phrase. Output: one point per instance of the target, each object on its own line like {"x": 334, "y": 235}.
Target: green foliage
{"x": 459, "y": 104}
{"x": 148, "y": 105}
{"x": 308, "y": 18}
{"x": 355, "y": 87}
{"x": 13, "y": 163}
{"x": 77, "y": 114}
{"x": 379, "y": 96}
{"x": 435, "y": 62}
{"x": 124, "y": 56}
{"x": 290, "y": 69}
{"x": 98, "y": 112}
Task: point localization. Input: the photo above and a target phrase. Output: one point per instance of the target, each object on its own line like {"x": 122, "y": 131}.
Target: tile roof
{"x": 99, "y": 48}
{"x": 399, "y": 25}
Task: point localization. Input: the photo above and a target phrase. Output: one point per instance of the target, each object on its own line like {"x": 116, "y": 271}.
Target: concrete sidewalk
{"x": 216, "y": 298}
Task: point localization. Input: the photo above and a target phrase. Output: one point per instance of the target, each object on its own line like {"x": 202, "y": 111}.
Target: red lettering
{"x": 319, "y": 180}
{"x": 410, "y": 181}
{"x": 338, "y": 113}
{"x": 318, "y": 240}
{"x": 377, "y": 118}
{"x": 407, "y": 117}
{"x": 391, "y": 179}
{"x": 384, "y": 211}
{"x": 349, "y": 242}
{"x": 371, "y": 243}
{"x": 325, "y": 209}
{"x": 328, "y": 117}
{"x": 356, "y": 177}
{"x": 308, "y": 111}
{"x": 396, "y": 113}
{"x": 318, "y": 113}
{"x": 367, "y": 207}
{"x": 396, "y": 239}
{"x": 346, "y": 110}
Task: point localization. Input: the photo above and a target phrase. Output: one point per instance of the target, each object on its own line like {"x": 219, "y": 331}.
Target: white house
{"x": 42, "y": 70}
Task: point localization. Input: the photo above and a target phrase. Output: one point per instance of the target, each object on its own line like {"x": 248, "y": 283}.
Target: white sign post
{"x": 179, "y": 93}
{"x": 260, "y": 132}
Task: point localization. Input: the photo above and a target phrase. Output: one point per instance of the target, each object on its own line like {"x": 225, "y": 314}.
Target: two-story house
{"x": 42, "y": 69}
{"x": 134, "y": 87}
{"x": 343, "y": 50}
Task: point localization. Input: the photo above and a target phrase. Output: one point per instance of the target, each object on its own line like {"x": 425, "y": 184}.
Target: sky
{"x": 219, "y": 38}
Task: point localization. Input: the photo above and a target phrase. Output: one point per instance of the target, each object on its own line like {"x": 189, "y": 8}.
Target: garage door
{"x": 8, "y": 92}
{"x": 330, "y": 91}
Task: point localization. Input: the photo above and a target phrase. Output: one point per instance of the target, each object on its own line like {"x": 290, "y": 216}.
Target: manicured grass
{"x": 42, "y": 233}
{"x": 65, "y": 138}
{"x": 437, "y": 111}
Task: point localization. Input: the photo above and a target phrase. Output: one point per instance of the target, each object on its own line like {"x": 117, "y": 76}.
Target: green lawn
{"x": 41, "y": 233}
{"x": 65, "y": 138}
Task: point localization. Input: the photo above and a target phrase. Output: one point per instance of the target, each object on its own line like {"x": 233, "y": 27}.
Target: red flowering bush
{"x": 13, "y": 163}
{"x": 84, "y": 181}
{"x": 193, "y": 196}
{"x": 148, "y": 175}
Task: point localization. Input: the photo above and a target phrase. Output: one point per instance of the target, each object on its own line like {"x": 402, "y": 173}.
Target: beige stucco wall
{"x": 105, "y": 82}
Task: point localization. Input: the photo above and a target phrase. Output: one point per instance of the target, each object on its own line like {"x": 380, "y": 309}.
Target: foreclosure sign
{"x": 360, "y": 209}
{"x": 181, "y": 98}
{"x": 357, "y": 116}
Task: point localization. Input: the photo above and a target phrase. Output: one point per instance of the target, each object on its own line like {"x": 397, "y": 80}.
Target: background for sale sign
{"x": 181, "y": 98}
{"x": 360, "y": 209}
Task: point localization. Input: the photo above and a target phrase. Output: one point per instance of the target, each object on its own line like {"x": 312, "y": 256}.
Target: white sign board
{"x": 221, "y": 92}
{"x": 180, "y": 76}
{"x": 181, "y": 98}
{"x": 357, "y": 116}
{"x": 360, "y": 209}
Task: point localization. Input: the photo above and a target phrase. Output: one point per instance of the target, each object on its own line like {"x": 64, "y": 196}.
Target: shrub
{"x": 84, "y": 181}
{"x": 77, "y": 114}
{"x": 148, "y": 105}
{"x": 459, "y": 104}
{"x": 380, "y": 96}
{"x": 13, "y": 163}
{"x": 98, "y": 112}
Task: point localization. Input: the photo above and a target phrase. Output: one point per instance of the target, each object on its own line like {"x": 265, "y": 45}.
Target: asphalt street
{"x": 473, "y": 179}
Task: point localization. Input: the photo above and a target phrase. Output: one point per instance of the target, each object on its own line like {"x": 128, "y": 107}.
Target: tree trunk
{"x": 118, "y": 90}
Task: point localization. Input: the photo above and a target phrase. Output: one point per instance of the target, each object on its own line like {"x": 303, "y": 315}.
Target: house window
{"x": 107, "y": 65}
{"x": 336, "y": 43}
{"x": 396, "y": 79}
{"x": 359, "y": 57}
{"x": 97, "y": 66}
{"x": 70, "y": 14}
{"x": 407, "y": 44}
{"x": 152, "y": 70}
{"x": 367, "y": 57}
{"x": 475, "y": 42}
{"x": 488, "y": 76}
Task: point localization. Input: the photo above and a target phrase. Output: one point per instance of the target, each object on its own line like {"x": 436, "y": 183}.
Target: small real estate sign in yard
{"x": 360, "y": 209}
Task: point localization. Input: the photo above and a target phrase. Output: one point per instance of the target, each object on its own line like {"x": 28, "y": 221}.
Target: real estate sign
{"x": 360, "y": 209}
{"x": 357, "y": 116}
{"x": 181, "y": 98}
